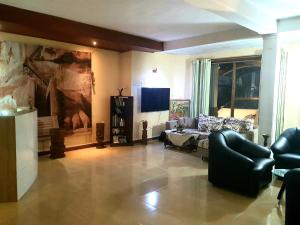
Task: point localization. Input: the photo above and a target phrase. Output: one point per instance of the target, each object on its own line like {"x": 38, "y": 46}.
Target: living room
{"x": 90, "y": 51}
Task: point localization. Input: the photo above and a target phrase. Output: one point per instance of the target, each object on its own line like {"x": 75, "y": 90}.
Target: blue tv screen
{"x": 155, "y": 99}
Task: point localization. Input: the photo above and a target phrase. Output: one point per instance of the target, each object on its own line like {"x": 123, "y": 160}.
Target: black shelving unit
{"x": 121, "y": 120}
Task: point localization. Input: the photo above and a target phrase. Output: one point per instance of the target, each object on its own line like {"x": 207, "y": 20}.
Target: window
{"x": 235, "y": 87}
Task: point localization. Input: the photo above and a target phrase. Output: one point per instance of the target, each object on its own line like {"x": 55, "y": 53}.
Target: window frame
{"x": 234, "y": 61}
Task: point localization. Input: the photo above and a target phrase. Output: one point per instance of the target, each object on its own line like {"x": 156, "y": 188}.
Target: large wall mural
{"x": 56, "y": 81}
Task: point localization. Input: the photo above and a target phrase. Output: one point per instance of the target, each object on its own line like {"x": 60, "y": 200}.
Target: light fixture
{"x": 94, "y": 43}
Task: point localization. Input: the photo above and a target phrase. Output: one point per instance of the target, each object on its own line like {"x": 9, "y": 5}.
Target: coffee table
{"x": 180, "y": 138}
{"x": 280, "y": 173}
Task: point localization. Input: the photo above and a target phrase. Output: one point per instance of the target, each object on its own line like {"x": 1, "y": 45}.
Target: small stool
{"x": 100, "y": 135}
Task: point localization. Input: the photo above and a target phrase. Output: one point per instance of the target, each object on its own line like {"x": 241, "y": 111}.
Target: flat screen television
{"x": 155, "y": 99}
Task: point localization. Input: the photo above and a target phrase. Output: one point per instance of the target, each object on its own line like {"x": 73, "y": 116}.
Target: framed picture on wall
{"x": 179, "y": 108}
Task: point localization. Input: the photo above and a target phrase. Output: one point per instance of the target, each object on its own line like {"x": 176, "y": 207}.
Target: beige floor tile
{"x": 142, "y": 185}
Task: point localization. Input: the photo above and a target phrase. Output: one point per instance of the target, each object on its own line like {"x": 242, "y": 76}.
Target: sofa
{"x": 207, "y": 124}
{"x": 247, "y": 168}
{"x": 286, "y": 149}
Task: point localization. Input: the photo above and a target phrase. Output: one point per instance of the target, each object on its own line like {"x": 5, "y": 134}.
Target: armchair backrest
{"x": 234, "y": 141}
{"x": 297, "y": 138}
{"x": 288, "y": 141}
{"x": 291, "y": 135}
{"x": 232, "y": 138}
{"x": 240, "y": 144}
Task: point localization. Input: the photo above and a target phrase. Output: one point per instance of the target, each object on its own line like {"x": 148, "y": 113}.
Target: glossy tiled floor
{"x": 135, "y": 186}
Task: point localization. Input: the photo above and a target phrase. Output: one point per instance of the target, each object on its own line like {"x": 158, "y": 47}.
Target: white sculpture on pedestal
{"x": 8, "y": 106}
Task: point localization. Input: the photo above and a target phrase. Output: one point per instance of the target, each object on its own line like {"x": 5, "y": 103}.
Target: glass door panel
{"x": 247, "y": 89}
{"x": 225, "y": 72}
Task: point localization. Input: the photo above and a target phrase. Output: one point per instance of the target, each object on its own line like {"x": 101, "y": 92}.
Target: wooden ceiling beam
{"x": 25, "y": 22}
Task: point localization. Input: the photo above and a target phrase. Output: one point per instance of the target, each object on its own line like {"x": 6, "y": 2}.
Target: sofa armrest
{"x": 171, "y": 124}
{"x": 251, "y": 135}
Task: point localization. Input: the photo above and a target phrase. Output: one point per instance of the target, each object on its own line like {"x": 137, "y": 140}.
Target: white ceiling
{"x": 279, "y": 9}
{"x": 162, "y": 20}
{"x": 167, "y": 20}
{"x": 253, "y": 43}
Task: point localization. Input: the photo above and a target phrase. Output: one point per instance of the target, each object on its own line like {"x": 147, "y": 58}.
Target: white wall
{"x": 126, "y": 72}
{"x": 172, "y": 73}
{"x": 292, "y": 103}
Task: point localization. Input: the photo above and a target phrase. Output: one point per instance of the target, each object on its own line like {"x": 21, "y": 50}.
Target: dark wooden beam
{"x": 25, "y": 22}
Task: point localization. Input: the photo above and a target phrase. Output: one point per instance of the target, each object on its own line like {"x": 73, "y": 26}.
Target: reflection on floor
{"x": 135, "y": 185}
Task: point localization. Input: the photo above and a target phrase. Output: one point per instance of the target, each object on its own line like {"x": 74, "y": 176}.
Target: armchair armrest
{"x": 254, "y": 150}
{"x": 281, "y": 146}
{"x": 236, "y": 159}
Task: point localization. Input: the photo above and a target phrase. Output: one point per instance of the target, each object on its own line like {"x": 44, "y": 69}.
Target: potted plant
{"x": 179, "y": 128}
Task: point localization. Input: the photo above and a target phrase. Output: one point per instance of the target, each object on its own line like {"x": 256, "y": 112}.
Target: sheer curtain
{"x": 201, "y": 69}
{"x": 281, "y": 93}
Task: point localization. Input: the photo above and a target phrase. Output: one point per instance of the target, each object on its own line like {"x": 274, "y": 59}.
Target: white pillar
{"x": 268, "y": 87}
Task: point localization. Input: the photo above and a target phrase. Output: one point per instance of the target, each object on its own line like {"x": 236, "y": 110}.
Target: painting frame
{"x": 179, "y": 108}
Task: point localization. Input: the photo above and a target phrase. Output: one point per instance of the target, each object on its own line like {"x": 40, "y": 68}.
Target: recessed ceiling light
{"x": 94, "y": 43}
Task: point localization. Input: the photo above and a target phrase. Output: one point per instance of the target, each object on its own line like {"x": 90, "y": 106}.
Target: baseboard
{"x": 78, "y": 147}
{"x": 72, "y": 148}
{"x": 44, "y": 153}
{"x": 148, "y": 139}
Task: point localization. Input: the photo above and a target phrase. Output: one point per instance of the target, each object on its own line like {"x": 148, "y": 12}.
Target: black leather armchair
{"x": 238, "y": 164}
{"x": 292, "y": 200}
{"x": 286, "y": 149}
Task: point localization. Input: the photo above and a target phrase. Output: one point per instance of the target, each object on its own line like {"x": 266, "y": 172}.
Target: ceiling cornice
{"x": 25, "y": 22}
{"x": 213, "y": 38}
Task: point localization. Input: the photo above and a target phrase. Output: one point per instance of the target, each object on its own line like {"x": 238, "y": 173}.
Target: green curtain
{"x": 200, "y": 87}
{"x": 281, "y": 93}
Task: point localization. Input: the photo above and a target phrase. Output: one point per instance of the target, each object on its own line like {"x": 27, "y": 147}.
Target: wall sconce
{"x": 154, "y": 70}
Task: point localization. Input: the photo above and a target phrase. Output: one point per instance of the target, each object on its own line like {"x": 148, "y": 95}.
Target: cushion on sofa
{"x": 180, "y": 121}
{"x": 171, "y": 124}
{"x": 209, "y": 123}
{"x": 214, "y": 125}
{"x": 202, "y": 121}
{"x": 187, "y": 122}
{"x": 237, "y": 124}
{"x": 190, "y": 122}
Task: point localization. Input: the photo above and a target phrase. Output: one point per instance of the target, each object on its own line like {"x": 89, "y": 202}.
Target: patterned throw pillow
{"x": 209, "y": 123}
{"x": 202, "y": 121}
{"x": 237, "y": 124}
{"x": 214, "y": 126}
